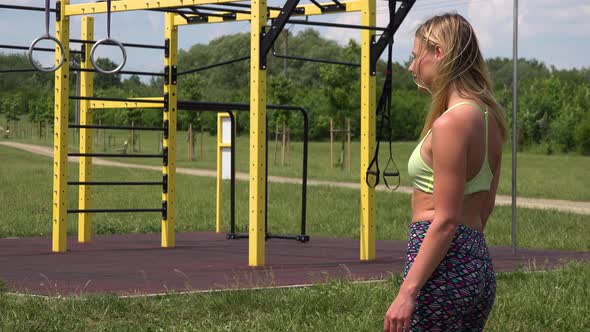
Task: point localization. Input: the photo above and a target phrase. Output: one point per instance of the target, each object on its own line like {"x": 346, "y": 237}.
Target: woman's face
{"x": 423, "y": 65}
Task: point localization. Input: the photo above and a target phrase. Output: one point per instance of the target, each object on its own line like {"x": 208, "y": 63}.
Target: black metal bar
{"x": 269, "y": 37}
{"x": 339, "y": 4}
{"x": 300, "y": 238}
{"x": 232, "y": 179}
{"x": 129, "y": 72}
{"x": 19, "y": 70}
{"x": 151, "y": 101}
{"x": 235, "y": 236}
{"x": 40, "y": 49}
{"x": 229, "y": 10}
{"x": 101, "y": 183}
{"x": 213, "y": 65}
{"x": 36, "y": 9}
{"x": 157, "y": 47}
{"x": 332, "y": 62}
{"x": 336, "y": 25}
{"x": 77, "y": 154}
{"x": 112, "y": 210}
{"x": 216, "y": 107}
{"x": 378, "y": 47}
{"x": 197, "y": 12}
{"x": 317, "y": 4}
{"x": 116, "y": 127}
{"x": 243, "y": 5}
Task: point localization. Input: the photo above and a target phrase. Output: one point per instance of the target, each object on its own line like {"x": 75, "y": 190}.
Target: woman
{"x": 449, "y": 281}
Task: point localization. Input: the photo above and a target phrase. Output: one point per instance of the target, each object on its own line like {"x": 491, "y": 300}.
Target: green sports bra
{"x": 422, "y": 176}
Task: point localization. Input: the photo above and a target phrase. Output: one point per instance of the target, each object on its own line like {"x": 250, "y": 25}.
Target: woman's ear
{"x": 438, "y": 52}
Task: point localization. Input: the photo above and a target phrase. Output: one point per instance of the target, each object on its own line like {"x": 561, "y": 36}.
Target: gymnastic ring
{"x": 109, "y": 41}
{"x": 61, "y": 50}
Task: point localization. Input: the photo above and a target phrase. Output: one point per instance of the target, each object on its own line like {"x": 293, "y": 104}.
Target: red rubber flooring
{"x": 135, "y": 264}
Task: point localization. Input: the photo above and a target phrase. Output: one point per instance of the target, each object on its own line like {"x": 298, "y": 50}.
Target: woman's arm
{"x": 449, "y": 154}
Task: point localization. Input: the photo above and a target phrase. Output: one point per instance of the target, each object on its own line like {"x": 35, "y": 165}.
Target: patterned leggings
{"x": 461, "y": 291}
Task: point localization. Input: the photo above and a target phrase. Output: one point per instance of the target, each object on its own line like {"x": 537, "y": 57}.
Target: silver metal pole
{"x": 514, "y": 112}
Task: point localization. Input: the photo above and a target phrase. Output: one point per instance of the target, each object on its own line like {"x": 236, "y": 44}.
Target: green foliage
{"x": 553, "y": 104}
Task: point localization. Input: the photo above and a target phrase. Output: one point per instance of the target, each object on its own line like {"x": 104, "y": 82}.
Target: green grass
{"x": 539, "y": 175}
{"x": 542, "y": 301}
{"x": 332, "y": 212}
{"x": 551, "y": 301}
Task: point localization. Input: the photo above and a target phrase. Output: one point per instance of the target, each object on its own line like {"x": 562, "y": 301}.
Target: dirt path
{"x": 578, "y": 207}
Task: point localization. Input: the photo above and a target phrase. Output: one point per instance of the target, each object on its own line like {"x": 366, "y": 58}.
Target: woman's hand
{"x": 397, "y": 318}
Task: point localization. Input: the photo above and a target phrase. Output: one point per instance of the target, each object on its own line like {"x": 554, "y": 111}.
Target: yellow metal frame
{"x": 171, "y": 34}
{"x": 368, "y": 123}
{"x": 60, "y": 138}
{"x": 86, "y": 118}
{"x": 258, "y": 19}
{"x": 256, "y": 232}
{"x": 307, "y": 10}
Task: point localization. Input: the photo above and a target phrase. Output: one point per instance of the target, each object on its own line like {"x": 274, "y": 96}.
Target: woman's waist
{"x": 467, "y": 240}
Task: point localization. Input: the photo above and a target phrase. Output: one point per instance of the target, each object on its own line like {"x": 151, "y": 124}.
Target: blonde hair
{"x": 462, "y": 66}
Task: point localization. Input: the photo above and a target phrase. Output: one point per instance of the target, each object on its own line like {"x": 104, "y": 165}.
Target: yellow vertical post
{"x": 60, "y": 137}
{"x": 258, "y": 161}
{"x": 368, "y": 84}
{"x": 86, "y": 118}
{"x": 169, "y": 168}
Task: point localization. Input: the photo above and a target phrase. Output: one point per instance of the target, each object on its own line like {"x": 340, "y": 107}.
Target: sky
{"x": 554, "y": 32}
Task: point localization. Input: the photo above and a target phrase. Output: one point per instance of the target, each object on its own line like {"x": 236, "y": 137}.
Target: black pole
{"x": 233, "y": 174}
{"x": 133, "y": 45}
{"x": 336, "y": 25}
{"x": 219, "y": 64}
{"x": 29, "y": 8}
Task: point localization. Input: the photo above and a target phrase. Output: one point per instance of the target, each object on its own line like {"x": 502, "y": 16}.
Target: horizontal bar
{"x": 36, "y": 9}
{"x": 214, "y": 65}
{"x": 138, "y": 100}
{"x": 116, "y": 127}
{"x": 114, "y": 210}
{"x": 118, "y": 155}
{"x": 228, "y": 10}
{"x": 122, "y": 104}
{"x": 243, "y": 5}
{"x": 331, "y": 62}
{"x": 98, "y": 183}
{"x": 129, "y": 5}
{"x": 235, "y": 236}
{"x": 158, "y": 47}
{"x": 146, "y": 73}
{"x": 26, "y": 48}
{"x": 336, "y": 25}
{"x": 283, "y": 237}
{"x": 19, "y": 70}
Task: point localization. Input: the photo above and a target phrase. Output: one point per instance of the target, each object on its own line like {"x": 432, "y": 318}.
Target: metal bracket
{"x": 165, "y": 156}
{"x": 166, "y": 129}
{"x": 58, "y": 11}
{"x": 167, "y": 75}
{"x": 377, "y": 47}
{"x": 165, "y": 184}
{"x": 167, "y": 48}
{"x": 166, "y": 101}
{"x": 82, "y": 53}
{"x": 164, "y": 210}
